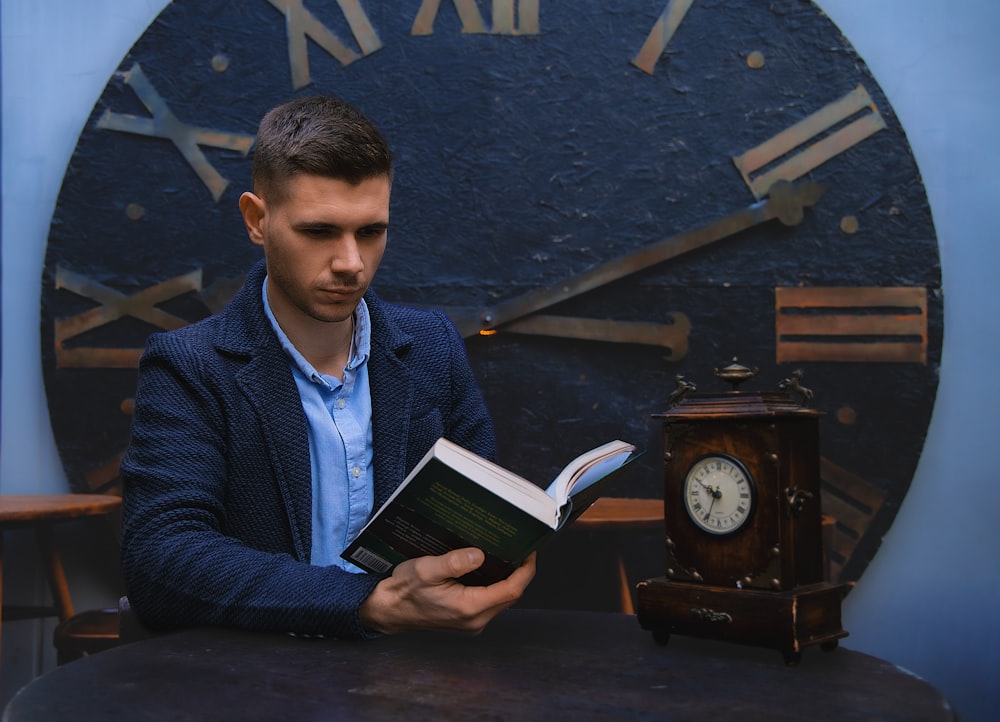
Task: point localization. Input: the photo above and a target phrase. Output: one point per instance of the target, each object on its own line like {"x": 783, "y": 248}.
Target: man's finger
{"x": 460, "y": 562}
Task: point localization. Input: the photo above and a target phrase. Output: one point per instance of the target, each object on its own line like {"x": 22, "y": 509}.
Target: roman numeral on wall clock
{"x": 866, "y": 324}
{"x": 515, "y": 17}
{"x": 164, "y": 124}
{"x": 828, "y": 132}
{"x": 302, "y": 26}
{"x": 853, "y": 503}
{"x": 510, "y": 17}
{"x": 113, "y": 306}
{"x": 660, "y": 35}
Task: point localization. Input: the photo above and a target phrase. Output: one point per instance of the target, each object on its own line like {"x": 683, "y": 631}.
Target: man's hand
{"x": 423, "y": 593}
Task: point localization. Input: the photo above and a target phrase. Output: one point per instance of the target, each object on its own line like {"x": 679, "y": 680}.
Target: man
{"x": 264, "y": 436}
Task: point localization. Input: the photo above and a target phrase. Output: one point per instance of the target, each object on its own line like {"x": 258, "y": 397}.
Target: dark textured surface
{"x": 524, "y": 159}
{"x": 526, "y": 666}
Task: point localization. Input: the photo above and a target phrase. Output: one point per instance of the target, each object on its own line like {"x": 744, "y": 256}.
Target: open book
{"x": 454, "y": 498}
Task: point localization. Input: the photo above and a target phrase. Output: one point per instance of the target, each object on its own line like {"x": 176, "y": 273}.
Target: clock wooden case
{"x": 744, "y": 547}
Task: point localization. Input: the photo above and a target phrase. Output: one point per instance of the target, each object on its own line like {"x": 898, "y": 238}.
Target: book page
{"x": 505, "y": 484}
{"x": 589, "y": 468}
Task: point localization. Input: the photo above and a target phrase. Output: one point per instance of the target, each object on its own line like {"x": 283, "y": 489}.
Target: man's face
{"x": 323, "y": 242}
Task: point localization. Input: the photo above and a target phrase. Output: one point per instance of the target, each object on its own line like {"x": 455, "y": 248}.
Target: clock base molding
{"x": 787, "y": 621}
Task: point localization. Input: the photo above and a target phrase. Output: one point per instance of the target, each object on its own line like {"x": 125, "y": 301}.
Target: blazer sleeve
{"x": 182, "y": 565}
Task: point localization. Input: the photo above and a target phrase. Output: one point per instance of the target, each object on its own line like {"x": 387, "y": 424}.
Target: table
{"x": 527, "y": 665}
{"x": 39, "y": 512}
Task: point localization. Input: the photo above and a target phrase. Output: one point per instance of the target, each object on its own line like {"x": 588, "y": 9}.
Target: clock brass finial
{"x": 736, "y": 373}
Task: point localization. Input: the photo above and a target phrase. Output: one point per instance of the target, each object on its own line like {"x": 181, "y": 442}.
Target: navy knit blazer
{"x": 216, "y": 480}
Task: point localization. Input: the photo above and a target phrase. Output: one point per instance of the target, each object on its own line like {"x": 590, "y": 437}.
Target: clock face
{"x": 603, "y": 195}
{"x": 718, "y": 494}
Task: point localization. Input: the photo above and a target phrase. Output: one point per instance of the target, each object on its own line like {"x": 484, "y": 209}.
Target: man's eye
{"x": 370, "y": 233}
{"x": 317, "y": 232}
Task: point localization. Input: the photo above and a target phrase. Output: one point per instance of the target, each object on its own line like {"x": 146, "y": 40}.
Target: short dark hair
{"x": 318, "y": 135}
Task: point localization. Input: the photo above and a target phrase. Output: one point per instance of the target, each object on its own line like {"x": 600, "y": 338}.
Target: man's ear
{"x": 253, "y": 209}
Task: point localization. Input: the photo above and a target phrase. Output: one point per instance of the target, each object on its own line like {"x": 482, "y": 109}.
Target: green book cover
{"x": 455, "y": 499}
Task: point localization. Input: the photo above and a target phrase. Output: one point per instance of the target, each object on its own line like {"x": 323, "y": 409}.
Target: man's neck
{"x": 325, "y": 345}
{"x": 328, "y": 347}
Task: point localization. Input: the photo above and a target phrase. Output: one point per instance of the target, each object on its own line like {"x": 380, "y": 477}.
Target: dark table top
{"x": 528, "y": 665}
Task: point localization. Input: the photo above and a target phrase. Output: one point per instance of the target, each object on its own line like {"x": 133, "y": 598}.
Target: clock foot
{"x": 830, "y": 645}
{"x": 661, "y": 637}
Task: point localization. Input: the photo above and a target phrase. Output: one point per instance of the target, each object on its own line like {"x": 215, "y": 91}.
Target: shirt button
{"x": 356, "y": 471}
{"x": 341, "y": 403}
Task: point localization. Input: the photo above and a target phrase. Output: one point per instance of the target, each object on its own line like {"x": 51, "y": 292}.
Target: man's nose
{"x": 347, "y": 256}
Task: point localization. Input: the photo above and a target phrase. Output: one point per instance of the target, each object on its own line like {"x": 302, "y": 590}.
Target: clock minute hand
{"x": 785, "y": 203}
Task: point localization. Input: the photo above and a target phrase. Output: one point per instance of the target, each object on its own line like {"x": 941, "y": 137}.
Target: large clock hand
{"x": 672, "y": 337}
{"x": 785, "y": 203}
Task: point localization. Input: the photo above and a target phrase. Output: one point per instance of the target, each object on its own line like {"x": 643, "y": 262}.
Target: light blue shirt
{"x": 339, "y": 418}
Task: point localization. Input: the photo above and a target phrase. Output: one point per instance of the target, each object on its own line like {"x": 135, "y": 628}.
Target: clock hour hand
{"x": 671, "y": 337}
{"x": 715, "y": 492}
{"x": 786, "y": 203}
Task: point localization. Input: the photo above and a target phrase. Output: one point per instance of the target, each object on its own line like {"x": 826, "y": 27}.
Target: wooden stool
{"x": 620, "y": 514}
{"x": 86, "y": 633}
{"x": 39, "y": 512}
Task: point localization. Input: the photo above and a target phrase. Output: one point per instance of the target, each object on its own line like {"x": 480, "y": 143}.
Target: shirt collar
{"x": 360, "y": 346}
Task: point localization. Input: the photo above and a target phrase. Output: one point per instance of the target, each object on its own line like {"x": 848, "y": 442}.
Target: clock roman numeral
{"x": 510, "y": 17}
{"x": 303, "y": 26}
{"x": 833, "y": 129}
{"x": 114, "y": 305}
{"x": 519, "y": 20}
{"x": 853, "y": 503}
{"x": 164, "y": 124}
{"x": 660, "y": 35}
{"x": 875, "y": 324}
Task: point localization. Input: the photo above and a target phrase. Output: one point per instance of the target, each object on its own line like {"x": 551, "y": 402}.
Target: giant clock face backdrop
{"x": 536, "y": 141}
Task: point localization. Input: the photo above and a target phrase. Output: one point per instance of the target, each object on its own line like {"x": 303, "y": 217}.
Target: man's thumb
{"x": 462, "y": 561}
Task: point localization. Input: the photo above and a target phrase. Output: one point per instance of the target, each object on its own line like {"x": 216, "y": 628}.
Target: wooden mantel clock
{"x": 744, "y": 549}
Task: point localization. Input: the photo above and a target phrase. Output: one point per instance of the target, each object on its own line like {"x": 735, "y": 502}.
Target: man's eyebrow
{"x": 327, "y": 227}
{"x": 314, "y": 225}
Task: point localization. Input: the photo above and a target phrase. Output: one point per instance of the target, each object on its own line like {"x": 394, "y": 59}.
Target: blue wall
{"x": 929, "y": 599}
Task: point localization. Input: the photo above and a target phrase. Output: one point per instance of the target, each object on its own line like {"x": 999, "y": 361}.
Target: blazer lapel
{"x": 267, "y": 383}
{"x": 392, "y": 402}
{"x": 270, "y": 388}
